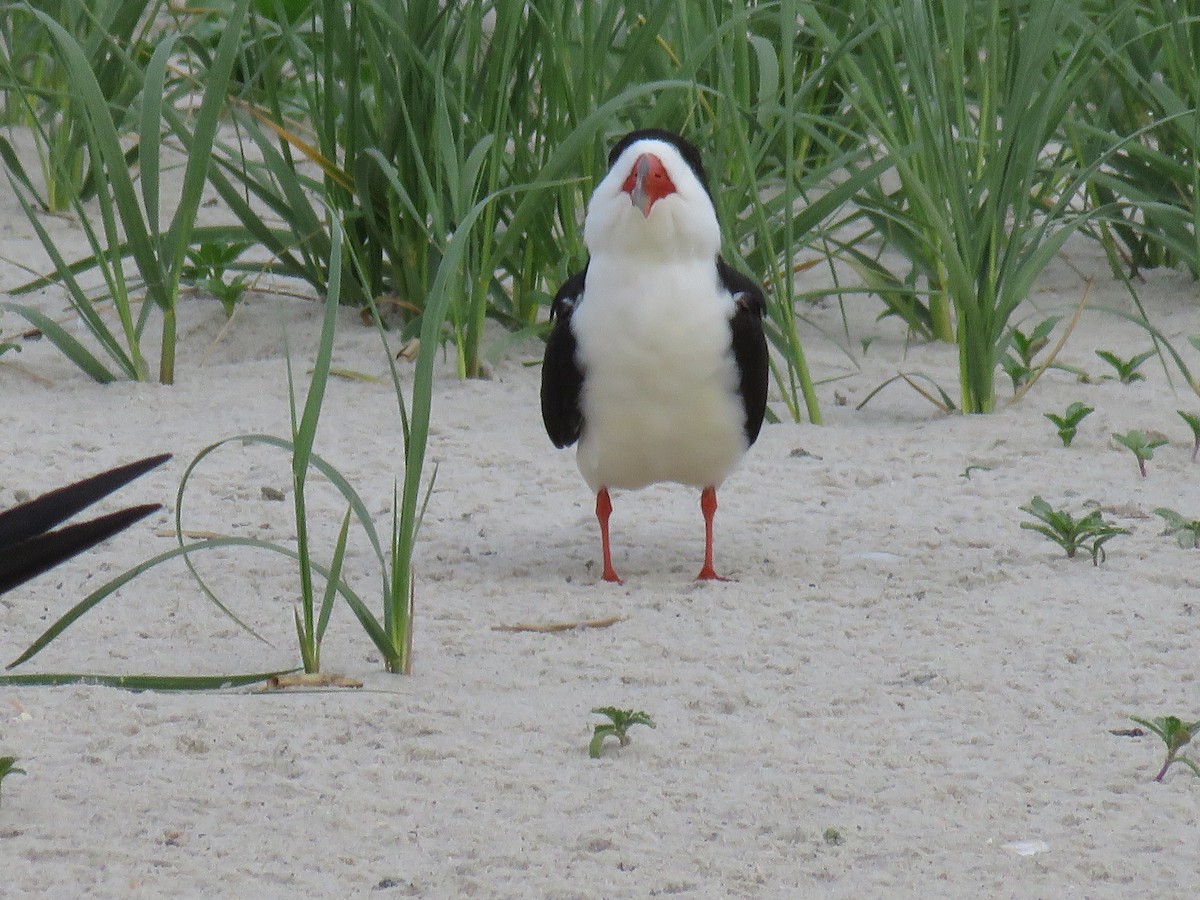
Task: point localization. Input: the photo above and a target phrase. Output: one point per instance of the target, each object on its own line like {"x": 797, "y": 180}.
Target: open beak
{"x": 648, "y": 182}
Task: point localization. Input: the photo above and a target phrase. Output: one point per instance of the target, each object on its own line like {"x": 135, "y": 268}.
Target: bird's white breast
{"x": 660, "y": 399}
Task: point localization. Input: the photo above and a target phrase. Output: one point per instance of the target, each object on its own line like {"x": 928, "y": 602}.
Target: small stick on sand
{"x": 310, "y": 680}
{"x": 560, "y": 626}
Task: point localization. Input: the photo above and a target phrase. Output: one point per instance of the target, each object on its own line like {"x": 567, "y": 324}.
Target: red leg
{"x": 603, "y": 511}
{"x": 708, "y": 505}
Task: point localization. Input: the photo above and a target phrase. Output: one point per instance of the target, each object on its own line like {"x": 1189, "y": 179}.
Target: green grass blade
{"x": 13, "y": 164}
{"x": 149, "y": 143}
{"x": 331, "y": 474}
{"x": 306, "y": 431}
{"x": 106, "y": 145}
{"x": 203, "y": 137}
{"x": 173, "y": 249}
{"x": 334, "y": 577}
{"x": 309, "y": 647}
{"x": 60, "y": 338}
{"x": 447, "y": 279}
{"x": 165, "y": 683}
{"x": 78, "y": 297}
{"x": 91, "y": 600}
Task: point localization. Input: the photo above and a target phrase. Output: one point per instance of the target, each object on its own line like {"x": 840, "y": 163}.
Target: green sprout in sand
{"x": 1176, "y": 734}
{"x": 1017, "y": 363}
{"x": 1090, "y": 532}
{"x": 619, "y": 722}
{"x": 1126, "y": 369}
{"x": 1141, "y": 444}
{"x": 1069, "y": 421}
{"x": 206, "y": 269}
{"x": 1186, "y": 531}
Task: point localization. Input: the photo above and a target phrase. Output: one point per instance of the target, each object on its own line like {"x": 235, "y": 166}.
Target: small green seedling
{"x": 1141, "y": 444}
{"x": 1018, "y": 362}
{"x": 1193, "y": 422}
{"x": 8, "y": 767}
{"x": 1127, "y": 369}
{"x": 1186, "y": 531}
{"x": 1176, "y": 734}
{"x": 1069, "y": 421}
{"x": 1090, "y": 532}
{"x": 619, "y": 722}
{"x": 206, "y": 268}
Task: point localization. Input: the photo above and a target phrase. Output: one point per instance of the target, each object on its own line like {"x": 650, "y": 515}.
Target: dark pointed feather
{"x": 562, "y": 379}
{"x": 38, "y": 515}
{"x": 27, "y": 548}
{"x": 29, "y": 558}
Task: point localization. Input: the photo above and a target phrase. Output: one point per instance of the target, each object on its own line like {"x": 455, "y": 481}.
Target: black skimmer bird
{"x": 656, "y": 363}
{"x": 28, "y": 547}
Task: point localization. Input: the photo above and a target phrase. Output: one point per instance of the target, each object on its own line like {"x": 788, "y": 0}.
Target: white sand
{"x": 897, "y": 660}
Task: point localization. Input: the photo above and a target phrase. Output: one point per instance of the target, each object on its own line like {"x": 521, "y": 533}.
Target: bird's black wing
{"x": 29, "y": 558}
{"x": 749, "y": 344}
{"x": 562, "y": 379}
{"x": 50, "y": 509}
{"x": 28, "y": 549}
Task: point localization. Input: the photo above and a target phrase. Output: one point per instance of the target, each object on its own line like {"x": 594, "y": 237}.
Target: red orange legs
{"x": 603, "y": 511}
{"x": 708, "y": 506}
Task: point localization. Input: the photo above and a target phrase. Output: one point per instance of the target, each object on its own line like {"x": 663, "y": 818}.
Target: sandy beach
{"x": 902, "y": 694}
